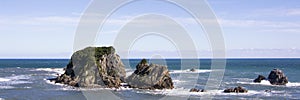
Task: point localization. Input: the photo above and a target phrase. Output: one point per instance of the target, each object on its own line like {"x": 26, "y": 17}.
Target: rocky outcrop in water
{"x": 277, "y": 77}
{"x": 197, "y": 90}
{"x": 151, "y": 76}
{"x": 94, "y": 67}
{"x": 259, "y": 78}
{"x": 238, "y": 89}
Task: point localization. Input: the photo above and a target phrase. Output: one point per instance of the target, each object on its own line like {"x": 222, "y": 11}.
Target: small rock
{"x": 267, "y": 90}
{"x": 192, "y": 70}
{"x": 202, "y": 90}
{"x": 197, "y": 90}
{"x": 194, "y": 90}
{"x": 259, "y": 78}
{"x": 238, "y": 89}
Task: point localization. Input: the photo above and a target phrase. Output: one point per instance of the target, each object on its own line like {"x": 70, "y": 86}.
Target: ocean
{"x": 25, "y": 79}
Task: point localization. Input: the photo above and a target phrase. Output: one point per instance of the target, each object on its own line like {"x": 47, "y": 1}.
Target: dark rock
{"x": 197, "y": 90}
{"x": 193, "y": 70}
{"x": 202, "y": 90}
{"x": 259, "y": 78}
{"x": 268, "y": 91}
{"x": 150, "y": 77}
{"x": 277, "y": 77}
{"x": 238, "y": 89}
{"x": 94, "y": 67}
{"x": 194, "y": 90}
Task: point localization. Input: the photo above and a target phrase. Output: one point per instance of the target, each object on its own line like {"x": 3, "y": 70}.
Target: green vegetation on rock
{"x": 99, "y": 51}
{"x": 143, "y": 61}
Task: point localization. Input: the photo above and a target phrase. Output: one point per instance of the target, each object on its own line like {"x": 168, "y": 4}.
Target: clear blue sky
{"x": 251, "y": 28}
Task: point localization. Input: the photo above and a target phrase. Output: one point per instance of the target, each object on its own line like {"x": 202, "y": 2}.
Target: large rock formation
{"x": 259, "y": 78}
{"x": 238, "y": 89}
{"x": 94, "y": 67}
{"x": 277, "y": 77}
{"x": 150, "y": 77}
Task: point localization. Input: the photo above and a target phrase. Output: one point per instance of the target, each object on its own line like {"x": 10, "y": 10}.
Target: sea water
{"x": 26, "y": 79}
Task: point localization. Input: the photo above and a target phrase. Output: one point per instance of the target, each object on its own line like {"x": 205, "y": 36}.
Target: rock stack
{"x": 277, "y": 77}
{"x": 150, "y": 76}
{"x": 94, "y": 67}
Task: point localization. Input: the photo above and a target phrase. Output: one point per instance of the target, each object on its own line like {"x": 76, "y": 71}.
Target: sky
{"x": 251, "y": 28}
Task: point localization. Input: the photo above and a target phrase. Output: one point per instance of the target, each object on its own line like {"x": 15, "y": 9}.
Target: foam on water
{"x": 6, "y": 87}
{"x": 56, "y": 70}
{"x": 53, "y": 83}
{"x": 8, "y": 82}
{"x": 267, "y": 83}
{"x": 185, "y": 92}
{"x": 18, "y": 77}
{"x": 293, "y": 84}
{"x": 4, "y": 79}
{"x": 188, "y": 71}
{"x": 129, "y": 72}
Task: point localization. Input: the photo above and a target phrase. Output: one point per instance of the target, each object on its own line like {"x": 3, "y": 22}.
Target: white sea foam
{"x": 185, "y": 92}
{"x": 188, "y": 71}
{"x": 6, "y": 87}
{"x": 4, "y": 79}
{"x": 56, "y": 70}
{"x": 293, "y": 84}
{"x": 18, "y": 77}
{"x": 13, "y": 80}
{"x": 53, "y": 83}
{"x": 177, "y": 81}
{"x": 267, "y": 83}
{"x": 129, "y": 72}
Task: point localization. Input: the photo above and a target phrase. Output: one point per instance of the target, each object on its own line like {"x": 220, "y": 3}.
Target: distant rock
{"x": 277, "y": 77}
{"x": 151, "y": 76}
{"x": 193, "y": 70}
{"x": 259, "y": 78}
{"x": 197, "y": 90}
{"x": 268, "y": 91}
{"x": 238, "y": 89}
{"x": 94, "y": 67}
{"x": 194, "y": 90}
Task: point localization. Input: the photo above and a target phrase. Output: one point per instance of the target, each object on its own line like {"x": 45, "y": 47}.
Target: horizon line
{"x": 172, "y": 58}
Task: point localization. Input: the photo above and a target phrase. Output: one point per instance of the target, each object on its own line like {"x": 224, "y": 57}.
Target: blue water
{"x": 25, "y": 79}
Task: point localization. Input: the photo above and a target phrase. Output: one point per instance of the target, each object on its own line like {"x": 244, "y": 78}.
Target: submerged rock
{"x": 277, "y": 77}
{"x": 94, "y": 67}
{"x": 238, "y": 89}
{"x": 151, "y": 76}
{"x": 259, "y": 78}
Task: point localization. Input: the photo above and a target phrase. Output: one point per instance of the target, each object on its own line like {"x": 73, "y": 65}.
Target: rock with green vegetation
{"x": 151, "y": 76}
{"x": 94, "y": 67}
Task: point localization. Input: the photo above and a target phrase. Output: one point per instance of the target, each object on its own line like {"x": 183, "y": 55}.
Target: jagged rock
{"x": 197, "y": 90}
{"x": 277, "y": 77}
{"x": 259, "y": 78}
{"x": 94, "y": 67}
{"x": 238, "y": 89}
{"x": 151, "y": 76}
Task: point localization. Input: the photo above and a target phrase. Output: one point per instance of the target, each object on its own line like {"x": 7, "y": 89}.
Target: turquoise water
{"x": 25, "y": 79}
